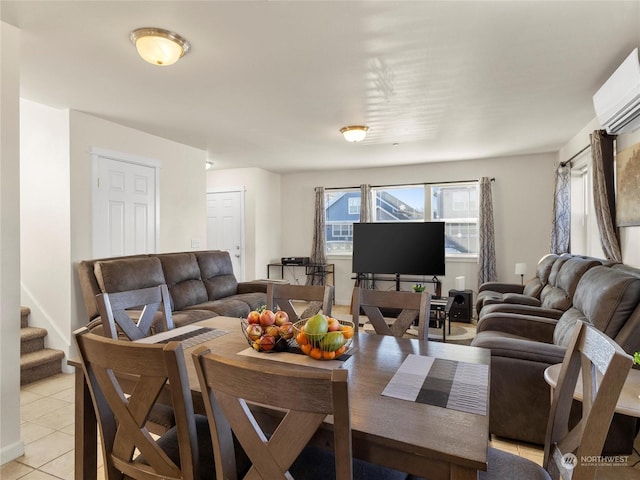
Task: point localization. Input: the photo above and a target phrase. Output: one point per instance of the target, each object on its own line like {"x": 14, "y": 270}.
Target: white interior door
{"x": 224, "y": 226}
{"x": 125, "y": 199}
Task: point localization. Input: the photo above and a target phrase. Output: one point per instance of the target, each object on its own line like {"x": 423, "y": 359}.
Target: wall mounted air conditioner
{"x": 617, "y": 103}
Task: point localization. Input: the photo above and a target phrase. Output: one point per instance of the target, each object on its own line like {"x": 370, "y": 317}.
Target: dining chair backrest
{"x": 306, "y": 398}
{"x": 313, "y": 298}
{"x": 112, "y": 367}
{"x": 411, "y": 306}
{"x": 119, "y": 312}
{"x": 602, "y": 366}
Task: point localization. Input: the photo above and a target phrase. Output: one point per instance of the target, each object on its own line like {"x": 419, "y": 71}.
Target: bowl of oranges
{"x": 323, "y": 337}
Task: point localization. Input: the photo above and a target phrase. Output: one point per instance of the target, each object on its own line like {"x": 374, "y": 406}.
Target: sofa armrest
{"x": 534, "y": 328}
{"x": 515, "y": 309}
{"x": 501, "y": 287}
{"x": 252, "y": 287}
{"x": 520, "y": 299}
{"x": 511, "y": 346}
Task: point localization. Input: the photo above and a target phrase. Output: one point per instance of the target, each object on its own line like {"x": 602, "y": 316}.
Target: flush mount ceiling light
{"x": 354, "y": 133}
{"x": 159, "y": 46}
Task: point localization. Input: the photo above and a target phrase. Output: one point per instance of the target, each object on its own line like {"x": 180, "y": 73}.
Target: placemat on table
{"x": 444, "y": 383}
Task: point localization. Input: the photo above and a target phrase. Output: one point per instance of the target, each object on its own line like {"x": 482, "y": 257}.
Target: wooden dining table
{"x": 426, "y": 440}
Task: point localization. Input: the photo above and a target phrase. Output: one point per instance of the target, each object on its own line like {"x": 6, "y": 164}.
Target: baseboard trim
{"x": 11, "y": 452}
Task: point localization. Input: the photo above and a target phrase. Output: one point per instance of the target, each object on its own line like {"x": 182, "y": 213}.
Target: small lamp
{"x": 521, "y": 269}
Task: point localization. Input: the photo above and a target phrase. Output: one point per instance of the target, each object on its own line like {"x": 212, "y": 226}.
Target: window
{"x": 340, "y": 214}
{"x": 354, "y": 205}
{"x": 398, "y": 204}
{"x": 455, "y": 203}
{"x": 585, "y": 236}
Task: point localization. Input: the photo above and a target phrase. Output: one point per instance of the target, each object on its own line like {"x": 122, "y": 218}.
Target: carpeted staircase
{"x": 36, "y": 361}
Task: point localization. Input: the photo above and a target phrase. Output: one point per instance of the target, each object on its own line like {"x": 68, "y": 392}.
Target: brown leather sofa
{"x": 201, "y": 284}
{"x": 523, "y": 346}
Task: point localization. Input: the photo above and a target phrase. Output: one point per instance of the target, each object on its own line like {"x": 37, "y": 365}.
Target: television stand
{"x": 363, "y": 279}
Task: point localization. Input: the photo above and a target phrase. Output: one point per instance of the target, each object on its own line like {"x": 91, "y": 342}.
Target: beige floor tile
{"x": 14, "y": 470}
{"x": 38, "y": 475}
{"x": 28, "y": 397}
{"x": 51, "y": 385}
{"x": 46, "y": 449}
{"x": 40, "y": 407}
{"x": 504, "y": 444}
{"x": 32, "y": 431}
{"x": 60, "y": 467}
{"x": 70, "y": 429}
{"x": 57, "y": 419}
{"x": 68, "y": 395}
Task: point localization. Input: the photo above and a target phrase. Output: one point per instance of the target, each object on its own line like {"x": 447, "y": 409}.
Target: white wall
{"x": 522, "y": 198}
{"x": 262, "y": 227}
{"x": 11, "y": 446}
{"x": 45, "y": 219}
{"x": 182, "y": 188}
{"x": 629, "y": 236}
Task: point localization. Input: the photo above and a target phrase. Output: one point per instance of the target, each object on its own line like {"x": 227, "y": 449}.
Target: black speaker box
{"x": 461, "y": 309}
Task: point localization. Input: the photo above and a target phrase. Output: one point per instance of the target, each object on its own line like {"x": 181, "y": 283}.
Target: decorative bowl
{"x": 266, "y": 339}
{"x": 324, "y": 346}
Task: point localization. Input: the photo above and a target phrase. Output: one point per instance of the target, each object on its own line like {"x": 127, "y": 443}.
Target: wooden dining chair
{"x": 130, "y": 451}
{"x": 411, "y": 306}
{"x": 282, "y": 296}
{"x": 230, "y": 387}
{"x": 603, "y": 368}
{"x": 134, "y": 312}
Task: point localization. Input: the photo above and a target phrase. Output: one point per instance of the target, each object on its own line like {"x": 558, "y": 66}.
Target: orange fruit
{"x": 341, "y": 350}
{"x": 316, "y": 353}
{"x": 306, "y": 348}
{"x": 347, "y": 331}
{"x": 301, "y": 338}
{"x": 328, "y": 355}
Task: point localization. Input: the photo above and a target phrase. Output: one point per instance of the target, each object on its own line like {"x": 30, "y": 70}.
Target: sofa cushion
{"x": 121, "y": 275}
{"x": 216, "y": 271}
{"x": 228, "y": 307}
{"x": 560, "y": 296}
{"x": 182, "y": 275}
{"x": 605, "y": 298}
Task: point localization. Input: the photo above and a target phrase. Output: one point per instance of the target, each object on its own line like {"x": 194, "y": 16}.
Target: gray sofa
{"x": 523, "y": 346}
{"x": 201, "y": 284}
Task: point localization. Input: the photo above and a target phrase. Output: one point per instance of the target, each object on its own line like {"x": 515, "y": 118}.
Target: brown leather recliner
{"x": 522, "y": 348}
{"x": 556, "y": 297}
{"x": 494, "y": 292}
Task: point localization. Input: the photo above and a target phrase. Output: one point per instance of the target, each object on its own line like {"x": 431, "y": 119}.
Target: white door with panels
{"x": 124, "y": 210}
{"x": 224, "y": 226}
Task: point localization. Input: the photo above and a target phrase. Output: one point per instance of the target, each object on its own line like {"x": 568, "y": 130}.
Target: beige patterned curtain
{"x": 561, "y": 228}
{"x": 602, "y": 155}
{"x": 365, "y": 203}
{"x": 487, "y": 247}
{"x": 318, "y": 255}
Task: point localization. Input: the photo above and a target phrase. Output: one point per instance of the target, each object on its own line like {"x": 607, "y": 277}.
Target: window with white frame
{"x": 456, "y": 204}
{"x": 585, "y": 236}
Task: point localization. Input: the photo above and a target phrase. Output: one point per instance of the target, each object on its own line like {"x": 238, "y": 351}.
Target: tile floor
{"x": 46, "y": 414}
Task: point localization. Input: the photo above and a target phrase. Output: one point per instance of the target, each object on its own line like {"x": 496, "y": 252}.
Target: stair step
{"x": 41, "y": 364}
{"x": 32, "y": 339}
{"x": 24, "y": 316}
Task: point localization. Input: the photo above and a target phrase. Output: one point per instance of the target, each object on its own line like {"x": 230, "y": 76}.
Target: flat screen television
{"x": 400, "y": 248}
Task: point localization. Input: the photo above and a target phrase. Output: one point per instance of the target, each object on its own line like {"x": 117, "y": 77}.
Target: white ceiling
{"x": 269, "y": 83}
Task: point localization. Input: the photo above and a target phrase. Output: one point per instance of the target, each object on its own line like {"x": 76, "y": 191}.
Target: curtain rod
{"x": 565, "y": 163}
{"x": 408, "y": 184}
